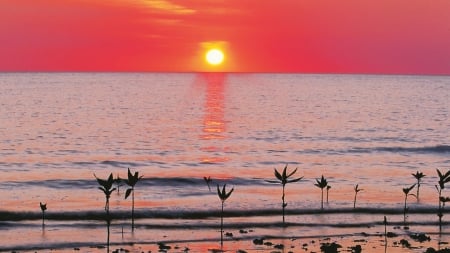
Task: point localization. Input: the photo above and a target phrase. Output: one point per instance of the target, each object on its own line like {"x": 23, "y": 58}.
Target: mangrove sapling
{"x": 106, "y": 188}
{"x": 418, "y": 176}
{"x": 43, "y": 208}
{"x": 208, "y": 181}
{"x": 356, "y": 189}
{"x": 406, "y": 192}
{"x": 443, "y": 179}
{"x": 223, "y": 195}
{"x": 284, "y": 179}
{"x": 131, "y": 181}
{"x": 321, "y": 184}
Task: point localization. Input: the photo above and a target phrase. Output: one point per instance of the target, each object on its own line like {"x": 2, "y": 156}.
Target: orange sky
{"x": 319, "y": 36}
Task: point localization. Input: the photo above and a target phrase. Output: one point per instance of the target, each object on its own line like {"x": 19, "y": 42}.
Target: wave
{"x": 437, "y": 149}
{"x": 180, "y": 182}
{"x": 6, "y": 216}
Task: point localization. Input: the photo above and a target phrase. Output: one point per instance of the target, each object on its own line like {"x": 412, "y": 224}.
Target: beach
{"x": 305, "y": 232}
{"x": 59, "y": 131}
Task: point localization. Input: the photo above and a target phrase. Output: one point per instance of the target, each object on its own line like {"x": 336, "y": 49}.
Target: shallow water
{"x": 58, "y": 129}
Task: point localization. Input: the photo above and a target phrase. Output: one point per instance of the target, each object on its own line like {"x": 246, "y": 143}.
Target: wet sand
{"x": 263, "y": 240}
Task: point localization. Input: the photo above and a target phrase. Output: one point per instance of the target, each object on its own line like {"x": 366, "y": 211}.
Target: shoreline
{"x": 240, "y": 235}
{"x": 248, "y": 243}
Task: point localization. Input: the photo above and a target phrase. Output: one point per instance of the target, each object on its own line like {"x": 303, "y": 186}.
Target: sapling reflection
{"x": 118, "y": 182}
{"x": 322, "y": 183}
{"x": 131, "y": 181}
{"x": 356, "y": 189}
{"x": 43, "y": 208}
{"x": 418, "y": 176}
{"x": 106, "y": 188}
{"x": 208, "y": 181}
{"x": 223, "y": 195}
{"x": 385, "y": 233}
{"x": 284, "y": 179}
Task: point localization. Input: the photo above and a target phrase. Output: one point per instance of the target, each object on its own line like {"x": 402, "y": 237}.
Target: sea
{"x": 59, "y": 131}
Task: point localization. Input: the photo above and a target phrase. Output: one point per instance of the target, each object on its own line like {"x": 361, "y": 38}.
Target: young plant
{"x": 418, "y": 176}
{"x": 321, "y": 184}
{"x": 443, "y": 179}
{"x": 208, "y": 181}
{"x": 223, "y": 195}
{"x": 43, "y": 208}
{"x": 131, "y": 181}
{"x": 406, "y": 192}
{"x": 106, "y": 188}
{"x": 356, "y": 189}
{"x": 284, "y": 179}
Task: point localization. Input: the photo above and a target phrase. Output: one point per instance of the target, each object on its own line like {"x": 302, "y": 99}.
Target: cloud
{"x": 168, "y": 6}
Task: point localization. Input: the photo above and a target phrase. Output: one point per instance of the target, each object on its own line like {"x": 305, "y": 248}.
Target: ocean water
{"x": 59, "y": 129}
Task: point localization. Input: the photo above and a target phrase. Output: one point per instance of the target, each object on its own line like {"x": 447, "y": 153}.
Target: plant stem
{"x": 440, "y": 214}
{"x": 404, "y": 209}
{"x": 132, "y": 208}
{"x": 418, "y": 186}
{"x": 321, "y": 202}
{"x": 283, "y": 204}
{"x": 221, "y": 226}
{"x": 354, "y": 201}
{"x": 107, "y": 206}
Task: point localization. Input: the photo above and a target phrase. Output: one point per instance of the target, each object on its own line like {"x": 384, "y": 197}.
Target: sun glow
{"x": 214, "y": 56}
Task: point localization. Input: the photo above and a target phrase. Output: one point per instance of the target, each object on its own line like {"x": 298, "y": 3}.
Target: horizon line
{"x": 221, "y": 72}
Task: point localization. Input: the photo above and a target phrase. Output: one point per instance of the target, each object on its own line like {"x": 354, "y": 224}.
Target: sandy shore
{"x": 398, "y": 240}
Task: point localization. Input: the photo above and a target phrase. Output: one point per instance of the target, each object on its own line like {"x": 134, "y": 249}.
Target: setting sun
{"x": 214, "y": 56}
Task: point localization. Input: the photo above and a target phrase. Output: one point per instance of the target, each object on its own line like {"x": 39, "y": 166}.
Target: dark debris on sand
{"x": 356, "y": 249}
{"x": 420, "y": 237}
{"x": 330, "y": 247}
{"x": 432, "y": 250}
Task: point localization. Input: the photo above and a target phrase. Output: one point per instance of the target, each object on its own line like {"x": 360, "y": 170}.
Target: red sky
{"x": 309, "y": 36}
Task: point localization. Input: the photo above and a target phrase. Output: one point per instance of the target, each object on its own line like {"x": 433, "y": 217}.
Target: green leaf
{"x": 43, "y": 206}
{"x": 322, "y": 183}
{"x": 439, "y": 173}
{"x": 129, "y": 174}
{"x": 408, "y": 189}
{"x": 447, "y": 174}
{"x": 292, "y": 173}
{"x": 103, "y": 190}
{"x": 223, "y": 195}
{"x": 284, "y": 172}
{"x": 295, "y": 180}
{"x": 278, "y": 175}
{"x": 229, "y": 193}
{"x": 128, "y": 192}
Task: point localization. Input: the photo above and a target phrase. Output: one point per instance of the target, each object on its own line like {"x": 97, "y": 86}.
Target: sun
{"x": 214, "y": 56}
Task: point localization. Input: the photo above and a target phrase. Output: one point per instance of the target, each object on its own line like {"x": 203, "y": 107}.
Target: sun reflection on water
{"x": 214, "y": 127}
